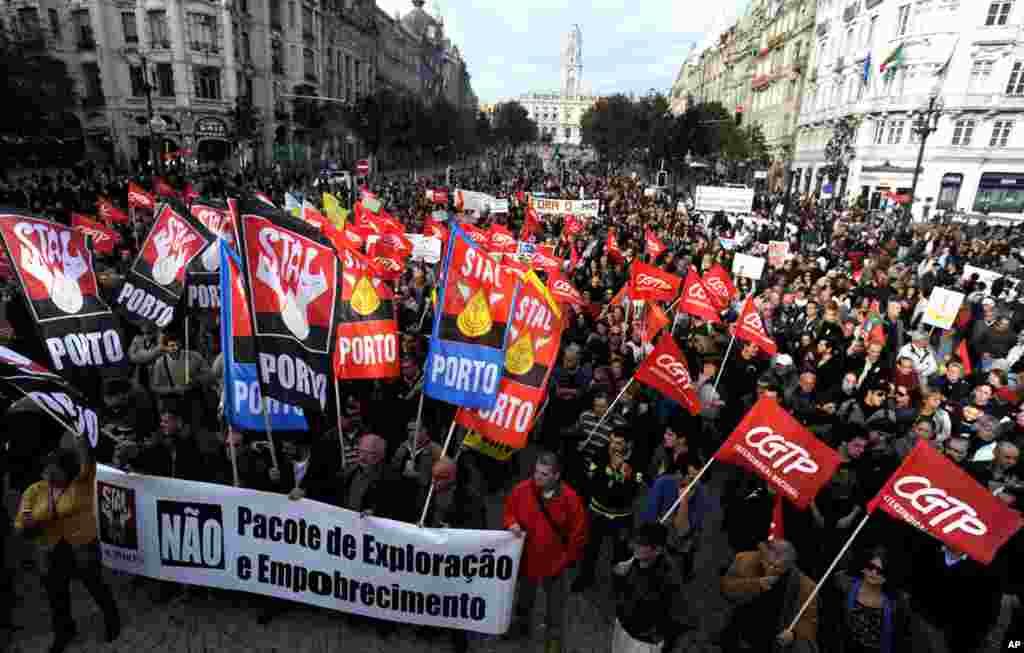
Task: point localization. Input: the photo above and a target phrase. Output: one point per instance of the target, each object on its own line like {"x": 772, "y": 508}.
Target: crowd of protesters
{"x": 855, "y": 364}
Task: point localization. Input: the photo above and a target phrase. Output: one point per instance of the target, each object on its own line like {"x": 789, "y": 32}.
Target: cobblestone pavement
{"x": 226, "y": 622}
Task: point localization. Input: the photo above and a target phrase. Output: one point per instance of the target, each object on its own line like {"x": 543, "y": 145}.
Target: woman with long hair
{"x": 874, "y": 619}
{"x": 58, "y": 514}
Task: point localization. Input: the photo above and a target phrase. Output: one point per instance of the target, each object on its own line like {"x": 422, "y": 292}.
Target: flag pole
{"x": 419, "y": 421}
{"x": 682, "y": 495}
{"x": 234, "y": 459}
{"x": 608, "y": 412}
{"x": 828, "y": 571}
{"x": 270, "y": 433}
{"x": 337, "y": 414}
{"x": 430, "y": 492}
{"x": 725, "y": 359}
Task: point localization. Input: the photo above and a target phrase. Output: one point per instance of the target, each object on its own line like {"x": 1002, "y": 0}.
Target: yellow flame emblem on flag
{"x": 475, "y": 319}
{"x": 519, "y": 358}
{"x": 365, "y": 300}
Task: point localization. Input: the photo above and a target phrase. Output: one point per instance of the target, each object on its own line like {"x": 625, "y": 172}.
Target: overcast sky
{"x": 514, "y": 47}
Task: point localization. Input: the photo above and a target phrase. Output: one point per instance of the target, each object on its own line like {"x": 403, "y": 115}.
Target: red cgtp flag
{"x": 776, "y": 447}
{"x": 138, "y": 198}
{"x": 612, "y": 247}
{"x": 654, "y": 321}
{"x": 477, "y": 235}
{"x": 563, "y": 290}
{"x": 502, "y": 240}
{"x": 163, "y": 189}
{"x": 542, "y": 260}
{"x": 651, "y": 283}
{"x": 750, "y": 327}
{"x": 654, "y": 246}
{"x": 933, "y": 494}
{"x": 696, "y": 300}
{"x": 531, "y": 224}
{"x": 720, "y": 286}
{"x": 110, "y": 213}
{"x": 572, "y": 226}
{"x": 104, "y": 239}
{"x": 965, "y": 357}
{"x": 574, "y": 257}
{"x": 665, "y": 370}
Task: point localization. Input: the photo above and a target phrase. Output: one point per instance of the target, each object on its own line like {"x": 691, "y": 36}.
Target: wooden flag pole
{"x": 828, "y": 571}
{"x": 234, "y": 459}
{"x": 337, "y": 414}
{"x": 430, "y": 492}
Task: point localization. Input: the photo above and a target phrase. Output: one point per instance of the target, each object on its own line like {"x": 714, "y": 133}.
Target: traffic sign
{"x": 363, "y": 167}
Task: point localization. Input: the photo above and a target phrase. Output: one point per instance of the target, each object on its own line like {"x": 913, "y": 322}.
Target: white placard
{"x": 425, "y": 248}
{"x": 471, "y": 200}
{"x": 306, "y": 551}
{"x": 760, "y": 174}
{"x": 985, "y": 276}
{"x": 724, "y": 198}
{"x": 499, "y": 206}
{"x": 751, "y": 267}
{"x": 943, "y": 307}
{"x": 587, "y": 208}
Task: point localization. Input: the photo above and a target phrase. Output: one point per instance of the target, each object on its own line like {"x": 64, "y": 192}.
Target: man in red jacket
{"x": 551, "y": 516}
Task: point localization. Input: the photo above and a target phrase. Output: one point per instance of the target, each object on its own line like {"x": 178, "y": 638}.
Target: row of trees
{"x": 625, "y": 130}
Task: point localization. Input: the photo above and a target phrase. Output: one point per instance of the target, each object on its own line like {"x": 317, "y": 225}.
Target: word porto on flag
{"x": 776, "y": 447}
{"x": 138, "y": 198}
{"x": 750, "y": 327}
{"x": 56, "y": 273}
{"x": 469, "y": 337}
{"x": 291, "y": 274}
{"x": 929, "y": 492}
{"x": 720, "y": 286}
{"x": 652, "y": 283}
{"x": 367, "y": 332}
{"x": 654, "y": 246}
{"x": 563, "y": 290}
{"x": 696, "y": 300}
{"x": 156, "y": 280}
{"x": 535, "y": 331}
{"x": 104, "y": 239}
{"x": 665, "y": 370}
{"x": 243, "y": 404}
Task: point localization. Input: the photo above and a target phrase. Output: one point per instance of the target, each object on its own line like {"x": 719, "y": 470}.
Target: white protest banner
{"x": 744, "y": 265}
{"x": 778, "y": 252}
{"x": 499, "y": 206}
{"x": 943, "y": 307}
{"x": 305, "y": 551}
{"x": 984, "y": 276}
{"x": 724, "y": 198}
{"x": 471, "y": 200}
{"x": 588, "y": 208}
{"x": 425, "y": 248}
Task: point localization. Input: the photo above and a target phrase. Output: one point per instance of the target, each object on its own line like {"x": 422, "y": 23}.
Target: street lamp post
{"x": 925, "y": 124}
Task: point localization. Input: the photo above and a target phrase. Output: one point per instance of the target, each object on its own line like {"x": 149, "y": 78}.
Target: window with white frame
{"x": 1001, "y": 133}
{"x": 998, "y": 12}
{"x": 981, "y": 72}
{"x": 895, "y": 132}
{"x": 963, "y": 131}
{"x": 903, "y": 20}
{"x": 879, "y": 132}
{"x": 1016, "y": 84}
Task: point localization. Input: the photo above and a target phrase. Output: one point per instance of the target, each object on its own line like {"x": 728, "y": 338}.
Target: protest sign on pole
{"x": 943, "y": 307}
{"x": 724, "y": 198}
{"x": 750, "y": 267}
{"x": 305, "y": 551}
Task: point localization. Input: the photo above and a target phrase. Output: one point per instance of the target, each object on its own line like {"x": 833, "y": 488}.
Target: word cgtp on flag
{"x": 535, "y": 331}
{"x": 244, "y": 407}
{"x": 773, "y": 445}
{"x": 467, "y": 350}
{"x": 929, "y": 492}
{"x": 56, "y": 274}
{"x": 665, "y": 370}
{"x": 651, "y": 283}
{"x": 367, "y": 332}
{"x": 291, "y": 275}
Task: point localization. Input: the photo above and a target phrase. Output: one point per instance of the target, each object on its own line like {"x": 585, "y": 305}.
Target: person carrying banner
{"x": 455, "y": 504}
{"x": 58, "y": 514}
{"x": 372, "y": 487}
{"x": 180, "y": 375}
{"x": 768, "y": 589}
{"x": 550, "y": 515}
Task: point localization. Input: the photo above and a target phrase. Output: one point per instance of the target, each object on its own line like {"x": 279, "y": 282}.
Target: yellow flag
{"x": 334, "y": 212}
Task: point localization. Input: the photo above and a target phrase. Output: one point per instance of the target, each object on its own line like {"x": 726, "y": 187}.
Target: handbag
{"x": 551, "y": 522}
